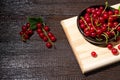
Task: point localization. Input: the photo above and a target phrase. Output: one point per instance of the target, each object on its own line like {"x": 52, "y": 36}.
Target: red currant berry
{"x": 21, "y": 33}
{"x": 116, "y": 11}
{"x": 109, "y": 46}
{"x": 45, "y": 38}
{"x": 81, "y": 21}
{"x": 93, "y": 34}
{"x": 41, "y": 35}
{"x": 24, "y": 28}
{"x": 93, "y": 54}
{"x": 48, "y": 44}
{"x": 105, "y": 16}
{"x": 47, "y": 28}
{"x": 50, "y": 34}
{"x": 87, "y": 33}
{"x": 110, "y": 13}
{"x": 114, "y": 51}
{"x": 119, "y": 46}
{"x": 118, "y": 28}
{"x": 30, "y": 32}
{"x": 28, "y": 25}
{"x": 53, "y": 39}
{"x": 39, "y": 25}
{"x": 39, "y": 31}
{"x": 88, "y": 10}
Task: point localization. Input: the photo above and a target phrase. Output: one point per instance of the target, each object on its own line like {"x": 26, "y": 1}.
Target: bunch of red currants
{"x": 100, "y": 23}
{"x": 42, "y": 30}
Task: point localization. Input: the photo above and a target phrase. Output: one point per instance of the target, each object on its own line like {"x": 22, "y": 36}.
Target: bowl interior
{"x": 91, "y": 39}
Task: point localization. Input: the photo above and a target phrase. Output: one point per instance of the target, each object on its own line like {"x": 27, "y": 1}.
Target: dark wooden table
{"x": 32, "y": 60}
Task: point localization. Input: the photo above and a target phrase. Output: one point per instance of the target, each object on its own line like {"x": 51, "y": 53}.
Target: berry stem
{"x": 85, "y": 22}
{"x": 47, "y": 36}
{"x": 91, "y": 18}
{"x": 115, "y": 28}
{"x": 106, "y": 5}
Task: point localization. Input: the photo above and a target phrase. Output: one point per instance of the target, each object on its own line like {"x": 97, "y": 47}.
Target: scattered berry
{"x": 94, "y": 54}
{"x": 114, "y": 51}
{"x": 48, "y": 44}
{"x": 109, "y": 46}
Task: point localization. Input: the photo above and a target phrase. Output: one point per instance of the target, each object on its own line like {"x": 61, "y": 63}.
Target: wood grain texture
{"x": 32, "y": 60}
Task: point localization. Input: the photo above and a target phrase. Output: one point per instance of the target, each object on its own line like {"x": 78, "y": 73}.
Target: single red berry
{"x": 105, "y": 16}
{"x": 39, "y": 25}
{"x": 93, "y": 34}
{"x": 24, "y": 28}
{"x": 116, "y": 11}
{"x": 109, "y": 46}
{"x": 94, "y": 54}
{"x": 48, "y": 44}
{"x": 118, "y": 28}
{"x": 39, "y": 31}
{"x": 88, "y": 10}
{"x": 30, "y": 32}
{"x": 81, "y": 21}
{"x": 21, "y": 33}
{"x": 46, "y": 28}
{"x": 50, "y": 34}
{"x": 45, "y": 38}
{"x": 27, "y": 25}
{"x": 119, "y": 46}
{"x": 87, "y": 33}
{"x": 41, "y": 35}
{"x": 114, "y": 51}
{"x": 53, "y": 39}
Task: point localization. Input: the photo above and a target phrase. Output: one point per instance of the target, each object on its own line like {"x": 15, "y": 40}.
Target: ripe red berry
{"x": 45, "y": 38}
{"x": 41, "y": 35}
{"x": 50, "y": 34}
{"x": 94, "y": 54}
{"x": 46, "y": 28}
{"x": 39, "y": 25}
{"x": 39, "y": 31}
{"x": 24, "y": 28}
{"x": 27, "y": 25}
{"x": 30, "y": 32}
{"x": 53, "y": 39}
{"x": 109, "y": 46}
{"x": 118, "y": 28}
{"x": 114, "y": 51}
{"x": 119, "y": 46}
{"x": 21, "y": 33}
{"x": 48, "y": 44}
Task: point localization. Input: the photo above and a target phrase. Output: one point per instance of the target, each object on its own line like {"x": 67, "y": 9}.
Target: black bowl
{"x": 91, "y": 39}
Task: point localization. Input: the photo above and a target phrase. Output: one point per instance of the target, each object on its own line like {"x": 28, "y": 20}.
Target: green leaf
{"x": 119, "y": 8}
{"x": 34, "y": 21}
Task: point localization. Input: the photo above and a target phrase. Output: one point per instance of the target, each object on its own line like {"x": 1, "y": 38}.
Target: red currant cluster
{"x": 26, "y": 32}
{"x": 45, "y": 34}
{"x": 100, "y": 23}
{"x": 42, "y": 30}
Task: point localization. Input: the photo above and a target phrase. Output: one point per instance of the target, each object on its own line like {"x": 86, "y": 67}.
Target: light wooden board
{"x": 82, "y": 48}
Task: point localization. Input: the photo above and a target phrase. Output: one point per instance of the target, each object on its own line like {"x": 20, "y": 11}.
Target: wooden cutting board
{"x": 82, "y": 49}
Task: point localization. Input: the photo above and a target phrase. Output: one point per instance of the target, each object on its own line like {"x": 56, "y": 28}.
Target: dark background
{"x": 32, "y": 60}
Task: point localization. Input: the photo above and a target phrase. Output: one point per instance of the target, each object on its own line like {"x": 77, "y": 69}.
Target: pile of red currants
{"x": 42, "y": 30}
{"x": 101, "y": 23}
